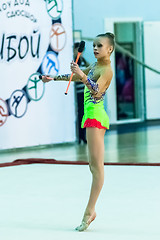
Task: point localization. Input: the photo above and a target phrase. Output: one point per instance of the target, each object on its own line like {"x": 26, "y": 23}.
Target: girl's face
{"x": 102, "y": 47}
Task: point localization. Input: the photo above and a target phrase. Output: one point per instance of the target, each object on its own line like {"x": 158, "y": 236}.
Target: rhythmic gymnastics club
{"x": 80, "y": 50}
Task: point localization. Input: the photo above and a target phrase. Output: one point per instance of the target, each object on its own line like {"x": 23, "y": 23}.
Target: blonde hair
{"x": 111, "y": 38}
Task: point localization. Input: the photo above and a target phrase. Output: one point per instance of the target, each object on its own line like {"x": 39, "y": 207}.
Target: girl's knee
{"x": 96, "y": 167}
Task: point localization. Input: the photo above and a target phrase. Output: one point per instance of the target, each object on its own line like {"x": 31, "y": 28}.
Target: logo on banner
{"x": 18, "y": 103}
{"x": 50, "y": 64}
{"x": 57, "y": 37}
{"x": 54, "y": 8}
{"x": 35, "y": 87}
{"x": 3, "y": 112}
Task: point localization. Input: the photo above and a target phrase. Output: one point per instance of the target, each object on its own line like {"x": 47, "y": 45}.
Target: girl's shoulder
{"x": 107, "y": 70}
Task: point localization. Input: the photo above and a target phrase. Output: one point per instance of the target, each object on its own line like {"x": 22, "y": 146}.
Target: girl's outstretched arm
{"x": 64, "y": 77}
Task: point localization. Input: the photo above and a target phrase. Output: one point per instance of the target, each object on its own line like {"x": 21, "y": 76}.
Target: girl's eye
{"x": 98, "y": 45}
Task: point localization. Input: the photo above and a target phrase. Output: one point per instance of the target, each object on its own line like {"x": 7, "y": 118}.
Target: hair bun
{"x": 110, "y": 34}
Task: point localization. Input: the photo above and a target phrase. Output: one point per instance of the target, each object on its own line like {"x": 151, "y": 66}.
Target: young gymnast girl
{"x": 97, "y": 78}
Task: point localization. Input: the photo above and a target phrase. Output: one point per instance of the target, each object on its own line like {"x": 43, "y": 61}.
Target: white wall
{"x": 89, "y": 15}
{"x": 91, "y": 22}
{"x": 51, "y": 119}
{"x": 152, "y": 83}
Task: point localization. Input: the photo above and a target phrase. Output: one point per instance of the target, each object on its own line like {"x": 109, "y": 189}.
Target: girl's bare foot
{"x": 87, "y": 219}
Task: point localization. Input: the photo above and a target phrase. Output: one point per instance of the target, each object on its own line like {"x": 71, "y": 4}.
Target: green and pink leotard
{"x": 94, "y": 113}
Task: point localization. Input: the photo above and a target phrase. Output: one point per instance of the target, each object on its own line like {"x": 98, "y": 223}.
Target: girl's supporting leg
{"x": 95, "y": 140}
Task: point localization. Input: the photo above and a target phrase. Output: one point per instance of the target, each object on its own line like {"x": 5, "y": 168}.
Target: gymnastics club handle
{"x": 78, "y": 55}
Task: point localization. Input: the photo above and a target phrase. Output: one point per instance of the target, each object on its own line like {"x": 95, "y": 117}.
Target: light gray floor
{"x": 46, "y": 202}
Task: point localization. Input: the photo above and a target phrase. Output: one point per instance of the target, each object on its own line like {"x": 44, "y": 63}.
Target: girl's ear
{"x": 111, "y": 49}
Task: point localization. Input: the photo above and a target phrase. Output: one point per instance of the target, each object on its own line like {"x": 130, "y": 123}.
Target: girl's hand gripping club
{"x": 80, "y": 50}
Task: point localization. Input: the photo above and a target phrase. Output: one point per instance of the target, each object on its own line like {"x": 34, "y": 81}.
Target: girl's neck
{"x": 103, "y": 61}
